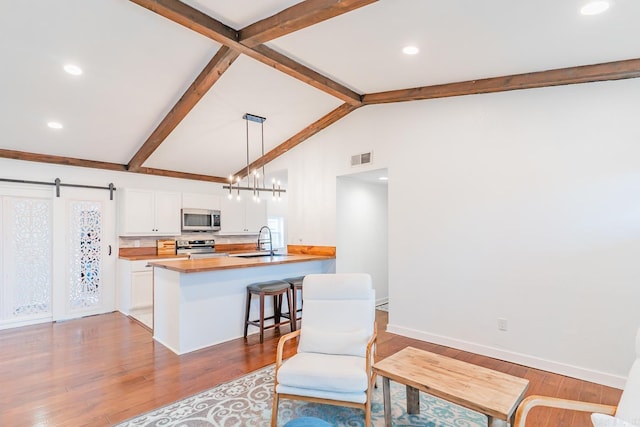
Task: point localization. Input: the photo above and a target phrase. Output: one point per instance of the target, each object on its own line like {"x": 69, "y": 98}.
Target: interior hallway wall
{"x": 362, "y": 243}
{"x": 520, "y": 205}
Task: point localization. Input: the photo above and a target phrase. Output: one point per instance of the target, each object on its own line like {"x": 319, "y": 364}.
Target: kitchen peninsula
{"x": 201, "y": 302}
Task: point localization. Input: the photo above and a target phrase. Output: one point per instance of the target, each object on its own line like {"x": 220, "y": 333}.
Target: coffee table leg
{"x": 413, "y": 400}
{"x": 386, "y": 396}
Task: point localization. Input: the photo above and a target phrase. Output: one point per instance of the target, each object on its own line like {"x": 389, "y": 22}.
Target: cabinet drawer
{"x": 142, "y": 265}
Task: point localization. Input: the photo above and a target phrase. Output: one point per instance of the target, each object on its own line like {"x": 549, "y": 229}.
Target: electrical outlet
{"x": 502, "y": 324}
{"x": 136, "y": 243}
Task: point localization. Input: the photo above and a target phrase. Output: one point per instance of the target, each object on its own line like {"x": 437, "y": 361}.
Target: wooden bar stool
{"x": 276, "y": 289}
{"x": 296, "y": 285}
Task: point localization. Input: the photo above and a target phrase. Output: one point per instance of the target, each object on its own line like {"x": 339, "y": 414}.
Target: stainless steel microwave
{"x": 200, "y": 220}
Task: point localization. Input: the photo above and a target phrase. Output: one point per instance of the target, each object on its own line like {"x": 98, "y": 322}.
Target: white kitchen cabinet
{"x": 200, "y": 201}
{"x": 141, "y": 290}
{"x": 231, "y": 215}
{"x": 135, "y": 289}
{"x": 149, "y": 213}
{"x": 242, "y": 217}
{"x": 255, "y": 215}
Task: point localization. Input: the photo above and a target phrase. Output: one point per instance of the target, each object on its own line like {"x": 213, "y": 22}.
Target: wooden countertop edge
{"x": 150, "y": 257}
{"x": 150, "y": 253}
{"x": 227, "y": 263}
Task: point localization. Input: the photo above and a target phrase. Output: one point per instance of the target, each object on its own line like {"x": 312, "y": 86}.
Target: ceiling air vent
{"x": 361, "y": 159}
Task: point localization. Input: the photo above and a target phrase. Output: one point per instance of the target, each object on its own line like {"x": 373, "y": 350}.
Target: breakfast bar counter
{"x": 198, "y": 303}
{"x": 233, "y": 262}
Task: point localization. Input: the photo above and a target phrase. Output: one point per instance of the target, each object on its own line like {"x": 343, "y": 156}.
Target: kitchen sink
{"x": 256, "y": 254}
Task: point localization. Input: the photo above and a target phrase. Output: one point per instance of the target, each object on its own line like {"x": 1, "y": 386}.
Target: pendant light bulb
{"x": 230, "y": 186}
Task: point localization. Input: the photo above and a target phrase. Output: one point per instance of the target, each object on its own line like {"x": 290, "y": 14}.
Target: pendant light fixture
{"x": 253, "y": 178}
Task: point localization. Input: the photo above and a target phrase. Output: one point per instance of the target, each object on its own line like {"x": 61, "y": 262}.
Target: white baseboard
{"x": 598, "y": 377}
{"x": 10, "y": 324}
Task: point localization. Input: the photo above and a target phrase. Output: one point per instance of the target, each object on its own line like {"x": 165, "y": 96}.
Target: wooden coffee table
{"x": 483, "y": 390}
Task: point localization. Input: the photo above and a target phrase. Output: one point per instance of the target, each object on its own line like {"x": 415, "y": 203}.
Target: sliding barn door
{"x": 85, "y": 249}
{"x": 25, "y": 259}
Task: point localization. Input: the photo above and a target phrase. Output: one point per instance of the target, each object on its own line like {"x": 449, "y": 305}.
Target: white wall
{"x": 362, "y": 240}
{"x": 523, "y": 205}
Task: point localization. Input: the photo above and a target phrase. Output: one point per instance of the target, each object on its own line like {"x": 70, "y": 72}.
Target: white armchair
{"x": 336, "y": 347}
{"x": 625, "y": 414}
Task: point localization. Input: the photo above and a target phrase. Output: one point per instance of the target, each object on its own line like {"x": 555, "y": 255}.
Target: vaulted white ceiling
{"x": 137, "y": 64}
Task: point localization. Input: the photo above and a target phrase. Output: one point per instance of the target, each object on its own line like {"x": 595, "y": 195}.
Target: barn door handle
{"x": 109, "y": 250}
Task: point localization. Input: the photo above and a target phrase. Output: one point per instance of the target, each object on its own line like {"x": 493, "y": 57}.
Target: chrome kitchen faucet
{"x": 262, "y": 242}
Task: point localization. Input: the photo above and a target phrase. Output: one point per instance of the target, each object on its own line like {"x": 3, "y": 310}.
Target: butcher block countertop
{"x": 151, "y": 257}
{"x": 225, "y": 263}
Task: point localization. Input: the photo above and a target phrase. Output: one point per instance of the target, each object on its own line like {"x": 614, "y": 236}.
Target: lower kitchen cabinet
{"x": 141, "y": 290}
{"x": 135, "y": 297}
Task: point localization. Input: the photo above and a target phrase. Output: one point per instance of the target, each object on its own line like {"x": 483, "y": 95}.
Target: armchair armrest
{"x": 371, "y": 348}
{"x": 552, "y": 402}
{"x": 283, "y": 340}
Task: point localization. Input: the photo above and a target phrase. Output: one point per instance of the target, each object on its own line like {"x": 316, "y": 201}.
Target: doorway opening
{"x": 362, "y": 228}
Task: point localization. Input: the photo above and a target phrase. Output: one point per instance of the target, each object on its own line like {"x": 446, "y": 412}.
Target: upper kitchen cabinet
{"x": 242, "y": 217}
{"x": 149, "y": 213}
{"x": 200, "y": 201}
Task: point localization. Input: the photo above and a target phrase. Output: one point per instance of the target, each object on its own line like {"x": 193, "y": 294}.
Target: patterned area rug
{"x": 247, "y": 402}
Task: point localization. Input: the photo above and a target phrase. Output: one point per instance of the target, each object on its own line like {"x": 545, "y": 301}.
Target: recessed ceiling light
{"x": 595, "y": 7}
{"x": 384, "y": 178}
{"x": 410, "y": 50}
{"x": 74, "y": 70}
{"x": 55, "y": 125}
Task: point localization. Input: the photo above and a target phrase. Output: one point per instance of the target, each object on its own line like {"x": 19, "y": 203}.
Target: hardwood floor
{"x": 104, "y": 369}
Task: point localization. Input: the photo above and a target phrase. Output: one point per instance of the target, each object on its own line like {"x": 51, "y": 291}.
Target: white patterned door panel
{"x": 26, "y": 257}
{"x": 85, "y": 257}
{"x": 90, "y": 264}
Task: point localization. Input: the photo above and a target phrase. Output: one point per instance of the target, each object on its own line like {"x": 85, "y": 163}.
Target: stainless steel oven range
{"x": 198, "y": 248}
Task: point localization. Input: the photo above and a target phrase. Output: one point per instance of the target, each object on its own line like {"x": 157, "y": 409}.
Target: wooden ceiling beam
{"x": 182, "y": 175}
{"x": 616, "y": 70}
{"x": 191, "y": 18}
{"x": 201, "y": 23}
{"x": 288, "y": 66}
{"x": 294, "y": 18}
{"x": 306, "y": 133}
{"x": 117, "y": 167}
{"x": 60, "y": 160}
{"x": 297, "y": 17}
{"x": 221, "y": 61}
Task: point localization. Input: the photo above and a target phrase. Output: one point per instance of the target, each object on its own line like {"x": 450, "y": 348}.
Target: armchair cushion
{"x": 350, "y": 343}
{"x": 343, "y": 374}
{"x": 360, "y": 397}
{"x": 601, "y": 420}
